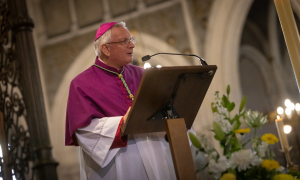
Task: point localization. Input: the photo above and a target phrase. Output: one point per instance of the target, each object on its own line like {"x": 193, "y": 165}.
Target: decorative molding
{"x": 259, "y": 36}
{"x": 224, "y": 30}
{"x": 225, "y": 27}
{"x": 261, "y": 62}
{"x": 190, "y": 30}
{"x": 275, "y": 53}
{"x": 80, "y": 31}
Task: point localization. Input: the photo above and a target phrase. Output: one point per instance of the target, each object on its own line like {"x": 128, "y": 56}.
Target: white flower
{"x": 226, "y": 126}
{"x": 208, "y": 148}
{"x": 262, "y": 149}
{"x": 243, "y": 159}
{"x": 213, "y": 155}
{"x": 280, "y": 169}
{"x": 216, "y": 168}
{"x": 201, "y": 160}
{"x": 220, "y": 119}
{"x": 222, "y": 110}
{"x": 254, "y": 119}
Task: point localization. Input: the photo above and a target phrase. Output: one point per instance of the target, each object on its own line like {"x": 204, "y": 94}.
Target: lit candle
{"x": 297, "y": 107}
{"x": 288, "y": 113}
{"x": 282, "y": 136}
{"x": 290, "y": 32}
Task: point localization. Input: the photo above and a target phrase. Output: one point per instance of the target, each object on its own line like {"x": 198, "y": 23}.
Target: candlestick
{"x": 282, "y": 136}
{"x": 290, "y": 165}
{"x": 291, "y": 35}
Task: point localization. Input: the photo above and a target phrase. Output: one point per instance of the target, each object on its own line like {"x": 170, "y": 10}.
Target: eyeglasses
{"x": 124, "y": 42}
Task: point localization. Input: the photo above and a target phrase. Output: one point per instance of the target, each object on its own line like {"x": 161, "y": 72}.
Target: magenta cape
{"x": 96, "y": 93}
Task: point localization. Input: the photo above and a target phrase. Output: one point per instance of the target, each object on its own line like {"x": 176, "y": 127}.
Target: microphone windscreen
{"x": 145, "y": 58}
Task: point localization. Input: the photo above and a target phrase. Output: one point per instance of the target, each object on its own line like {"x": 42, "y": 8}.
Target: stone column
{"x": 44, "y": 166}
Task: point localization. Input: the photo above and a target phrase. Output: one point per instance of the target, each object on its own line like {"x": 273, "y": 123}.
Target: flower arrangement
{"x": 237, "y": 162}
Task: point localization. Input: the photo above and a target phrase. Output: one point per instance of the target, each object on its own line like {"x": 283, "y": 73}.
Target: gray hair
{"x": 105, "y": 38}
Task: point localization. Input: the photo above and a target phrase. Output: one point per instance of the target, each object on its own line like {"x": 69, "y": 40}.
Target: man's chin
{"x": 129, "y": 61}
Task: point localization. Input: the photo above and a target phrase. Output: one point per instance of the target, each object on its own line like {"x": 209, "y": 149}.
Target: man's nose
{"x": 131, "y": 45}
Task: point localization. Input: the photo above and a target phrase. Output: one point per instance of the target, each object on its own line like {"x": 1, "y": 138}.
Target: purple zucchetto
{"x": 103, "y": 28}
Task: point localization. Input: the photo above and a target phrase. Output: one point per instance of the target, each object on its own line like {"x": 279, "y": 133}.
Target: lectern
{"x": 168, "y": 99}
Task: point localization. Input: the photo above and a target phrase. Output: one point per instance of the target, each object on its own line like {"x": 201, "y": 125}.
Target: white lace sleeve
{"x": 96, "y": 139}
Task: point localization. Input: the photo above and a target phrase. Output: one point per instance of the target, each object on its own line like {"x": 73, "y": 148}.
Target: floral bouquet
{"x": 237, "y": 162}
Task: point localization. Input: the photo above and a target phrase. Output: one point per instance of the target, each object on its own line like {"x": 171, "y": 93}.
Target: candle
{"x": 297, "y": 107}
{"x": 282, "y": 136}
{"x": 290, "y": 31}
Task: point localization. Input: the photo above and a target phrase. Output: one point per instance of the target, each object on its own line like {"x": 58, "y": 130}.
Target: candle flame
{"x": 287, "y": 102}
{"x": 280, "y": 110}
{"x": 287, "y": 129}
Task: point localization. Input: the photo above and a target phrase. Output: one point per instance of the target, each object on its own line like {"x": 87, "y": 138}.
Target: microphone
{"x": 147, "y": 57}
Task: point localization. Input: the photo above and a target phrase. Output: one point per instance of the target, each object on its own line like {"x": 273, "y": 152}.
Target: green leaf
{"x": 227, "y": 141}
{"x": 216, "y": 138}
{"x": 228, "y": 90}
{"x": 227, "y": 150}
{"x": 243, "y": 102}
{"x": 232, "y": 171}
{"x": 235, "y": 144}
{"x": 214, "y": 108}
{"x": 225, "y": 102}
{"x": 237, "y": 122}
{"x": 230, "y": 106}
{"x": 236, "y": 117}
{"x": 195, "y": 141}
{"x": 220, "y": 135}
{"x": 237, "y": 125}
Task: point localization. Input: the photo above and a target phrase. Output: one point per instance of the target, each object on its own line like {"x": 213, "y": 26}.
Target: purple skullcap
{"x": 103, "y": 28}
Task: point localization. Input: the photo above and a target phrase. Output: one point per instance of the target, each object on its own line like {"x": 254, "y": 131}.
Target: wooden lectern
{"x": 168, "y": 99}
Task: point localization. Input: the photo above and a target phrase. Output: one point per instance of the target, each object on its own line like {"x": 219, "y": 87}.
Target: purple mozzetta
{"x": 96, "y": 93}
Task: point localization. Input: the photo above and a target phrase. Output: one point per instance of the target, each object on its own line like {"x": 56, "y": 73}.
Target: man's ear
{"x": 105, "y": 49}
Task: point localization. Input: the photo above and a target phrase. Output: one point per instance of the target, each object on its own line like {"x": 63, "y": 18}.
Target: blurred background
{"x": 243, "y": 38}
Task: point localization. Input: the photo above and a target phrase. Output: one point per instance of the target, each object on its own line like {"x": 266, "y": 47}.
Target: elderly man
{"x": 99, "y": 100}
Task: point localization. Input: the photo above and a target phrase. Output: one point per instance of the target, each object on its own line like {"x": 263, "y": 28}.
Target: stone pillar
{"x": 44, "y": 166}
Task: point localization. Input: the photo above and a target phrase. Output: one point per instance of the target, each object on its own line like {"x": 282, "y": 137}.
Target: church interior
{"x": 243, "y": 39}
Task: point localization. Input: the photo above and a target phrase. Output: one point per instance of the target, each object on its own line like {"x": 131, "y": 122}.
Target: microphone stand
{"x": 147, "y": 57}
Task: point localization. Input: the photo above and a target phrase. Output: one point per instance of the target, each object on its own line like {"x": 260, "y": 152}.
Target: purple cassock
{"x": 97, "y": 93}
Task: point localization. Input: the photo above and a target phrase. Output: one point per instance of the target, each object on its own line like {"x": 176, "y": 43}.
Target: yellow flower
{"x": 284, "y": 177}
{"x": 228, "y": 176}
{"x": 270, "y": 164}
{"x": 241, "y": 131}
{"x": 269, "y": 138}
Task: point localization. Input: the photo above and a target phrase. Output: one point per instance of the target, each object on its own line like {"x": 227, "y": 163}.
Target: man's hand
{"x": 126, "y": 115}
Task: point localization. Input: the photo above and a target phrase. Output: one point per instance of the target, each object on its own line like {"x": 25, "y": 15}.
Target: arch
{"x": 256, "y": 57}
{"x": 223, "y": 37}
{"x": 224, "y": 31}
{"x": 67, "y": 155}
{"x": 225, "y": 28}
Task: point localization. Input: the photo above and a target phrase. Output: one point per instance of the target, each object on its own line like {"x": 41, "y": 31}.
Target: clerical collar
{"x": 119, "y": 72}
{"x": 102, "y": 64}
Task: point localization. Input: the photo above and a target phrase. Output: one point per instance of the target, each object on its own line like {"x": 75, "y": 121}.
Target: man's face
{"x": 120, "y": 54}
